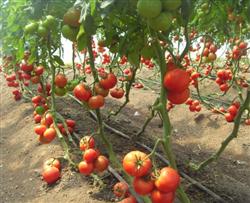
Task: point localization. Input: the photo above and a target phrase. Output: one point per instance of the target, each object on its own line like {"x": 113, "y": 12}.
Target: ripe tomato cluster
{"x": 46, "y": 129}
{"x": 11, "y": 82}
{"x": 176, "y": 81}
{"x": 95, "y": 99}
{"x": 93, "y": 161}
{"x": 232, "y": 112}
{"x": 194, "y": 105}
{"x": 239, "y": 49}
{"x": 51, "y": 170}
{"x": 222, "y": 77}
{"x": 160, "y": 185}
{"x": 209, "y": 52}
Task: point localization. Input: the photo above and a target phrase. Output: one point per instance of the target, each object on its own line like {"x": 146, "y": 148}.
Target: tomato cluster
{"x": 160, "y": 185}
{"x": 194, "y": 105}
{"x": 176, "y": 81}
{"x": 209, "y": 52}
{"x": 239, "y": 49}
{"x": 51, "y": 170}
{"x": 232, "y": 112}
{"x": 222, "y": 77}
{"x": 93, "y": 161}
{"x": 60, "y": 83}
{"x": 95, "y": 99}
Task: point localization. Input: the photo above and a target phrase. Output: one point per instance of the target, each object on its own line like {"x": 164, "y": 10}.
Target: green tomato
{"x": 163, "y": 22}
{"x": 71, "y": 85}
{"x": 70, "y": 32}
{"x": 40, "y": 110}
{"x": 149, "y": 8}
{"x": 42, "y": 31}
{"x": 60, "y": 91}
{"x": 171, "y": 4}
{"x": 31, "y": 28}
{"x": 50, "y": 22}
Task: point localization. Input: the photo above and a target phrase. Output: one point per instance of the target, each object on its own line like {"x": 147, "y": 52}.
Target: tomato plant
{"x": 175, "y": 48}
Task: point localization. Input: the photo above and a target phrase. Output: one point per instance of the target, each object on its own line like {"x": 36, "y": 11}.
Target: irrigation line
{"x": 194, "y": 182}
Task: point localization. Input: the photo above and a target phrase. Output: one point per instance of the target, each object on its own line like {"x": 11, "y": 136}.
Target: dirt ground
{"x": 195, "y": 137}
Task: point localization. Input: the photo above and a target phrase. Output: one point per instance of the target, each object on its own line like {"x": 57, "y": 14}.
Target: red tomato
{"x": 137, "y": 164}
{"x": 39, "y": 70}
{"x": 143, "y": 186}
{"x": 52, "y": 162}
{"x": 171, "y": 66}
{"x": 60, "y": 80}
{"x": 213, "y": 48}
{"x": 40, "y": 129}
{"x": 51, "y": 174}
{"x": 229, "y": 117}
{"x": 90, "y": 155}
{"x": 35, "y": 79}
{"x": 101, "y": 163}
{"x": 48, "y": 119}
{"x": 232, "y": 110}
{"x": 96, "y": 102}
{"x": 129, "y": 199}
{"x": 236, "y": 104}
{"x": 82, "y": 92}
{"x": 247, "y": 121}
{"x": 117, "y": 93}
{"x": 243, "y": 45}
{"x": 224, "y": 87}
{"x": 26, "y": 67}
{"x": 43, "y": 140}
{"x": 108, "y": 81}
{"x": 205, "y": 52}
{"x": 176, "y": 80}
{"x": 70, "y": 123}
{"x": 168, "y": 180}
{"x": 87, "y": 142}
{"x": 36, "y": 99}
{"x": 99, "y": 90}
{"x": 178, "y": 97}
{"x": 49, "y": 134}
{"x": 159, "y": 197}
{"x": 86, "y": 168}
{"x": 37, "y": 118}
{"x": 120, "y": 189}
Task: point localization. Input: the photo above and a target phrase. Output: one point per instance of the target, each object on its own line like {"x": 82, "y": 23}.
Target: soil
{"x": 196, "y": 136}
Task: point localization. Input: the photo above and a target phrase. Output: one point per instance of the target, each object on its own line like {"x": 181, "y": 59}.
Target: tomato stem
{"x": 165, "y": 118}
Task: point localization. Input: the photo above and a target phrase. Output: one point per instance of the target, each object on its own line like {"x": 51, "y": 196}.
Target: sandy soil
{"x": 195, "y": 137}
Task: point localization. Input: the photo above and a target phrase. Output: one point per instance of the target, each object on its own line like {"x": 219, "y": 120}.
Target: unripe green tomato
{"x": 70, "y": 32}
{"x": 31, "y": 28}
{"x": 50, "y": 22}
{"x": 40, "y": 110}
{"x": 60, "y": 91}
{"x": 42, "y": 31}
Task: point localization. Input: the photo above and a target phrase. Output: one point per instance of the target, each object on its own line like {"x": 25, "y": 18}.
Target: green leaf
{"x": 81, "y": 32}
{"x": 81, "y": 42}
{"x": 92, "y": 6}
{"x": 133, "y": 58}
{"x": 58, "y": 60}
